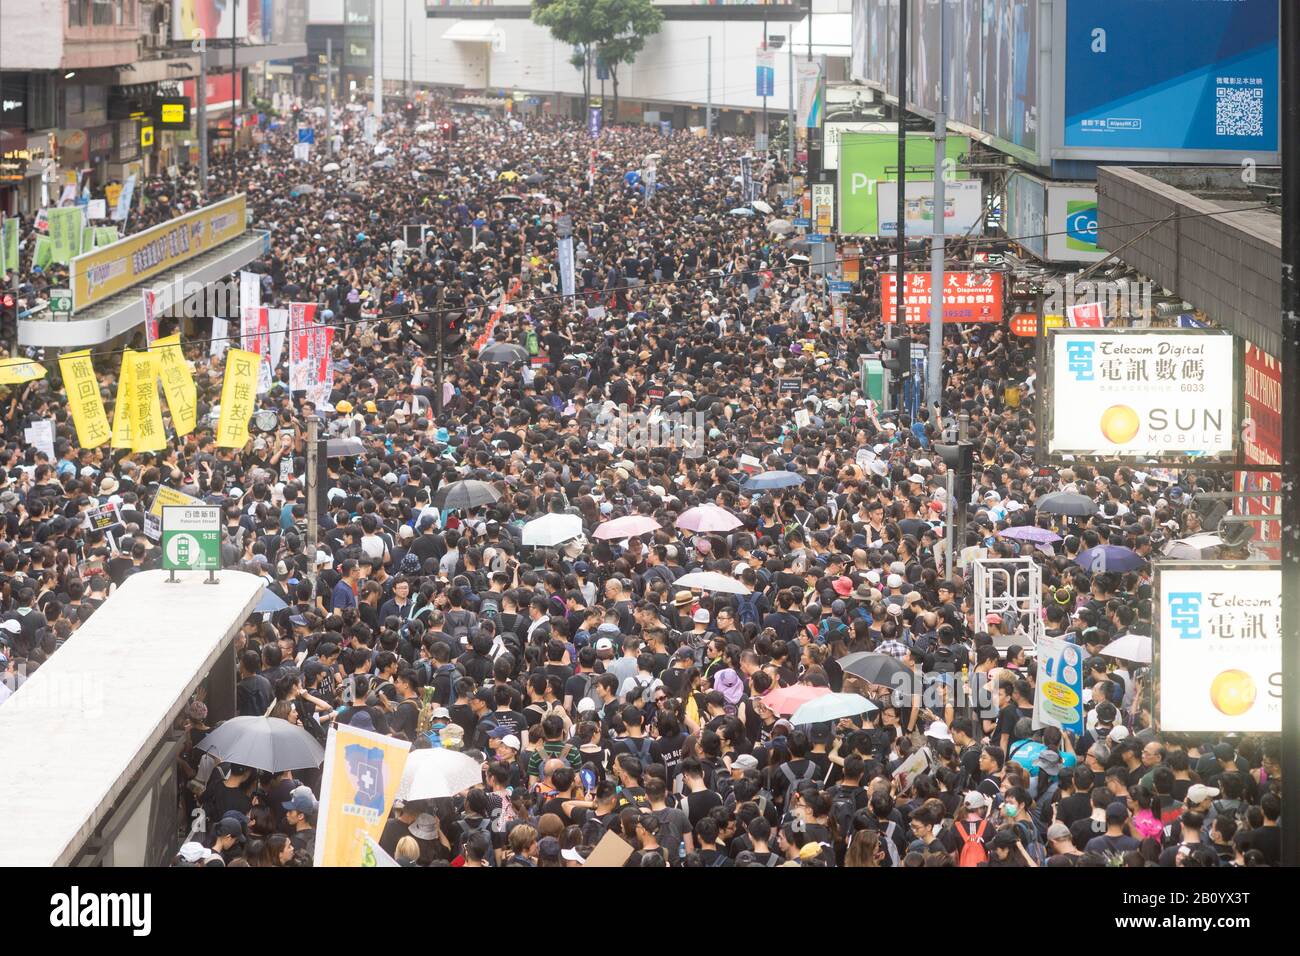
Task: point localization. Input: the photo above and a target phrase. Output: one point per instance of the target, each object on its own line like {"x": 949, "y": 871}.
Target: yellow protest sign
{"x": 19, "y": 371}
{"x": 238, "y": 398}
{"x": 361, "y": 775}
{"x": 170, "y": 496}
{"x": 122, "y": 406}
{"x": 146, "y": 410}
{"x": 177, "y": 383}
{"x": 84, "y": 400}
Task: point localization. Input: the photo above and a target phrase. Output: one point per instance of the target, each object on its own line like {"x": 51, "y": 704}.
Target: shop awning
{"x": 472, "y": 31}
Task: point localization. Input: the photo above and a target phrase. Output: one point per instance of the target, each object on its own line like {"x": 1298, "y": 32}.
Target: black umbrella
{"x": 534, "y": 179}
{"x": 1067, "y": 503}
{"x": 873, "y": 668}
{"x": 503, "y": 353}
{"x": 509, "y": 439}
{"x": 510, "y": 197}
{"x": 465, "y": 494}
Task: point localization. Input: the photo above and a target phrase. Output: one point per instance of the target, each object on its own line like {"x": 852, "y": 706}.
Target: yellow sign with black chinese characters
{"x": 106, "y": 271}
{"x": 84, "y": 400}
{"x": 122, "y": 406}
{"x": 146, "y": 410}
{"x": 177, "y": 383}
{"x": 238, "y": 398}
{"x": 146, "y": 135}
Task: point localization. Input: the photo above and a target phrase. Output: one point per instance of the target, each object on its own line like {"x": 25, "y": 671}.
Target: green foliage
{"x": 617, "y": 29}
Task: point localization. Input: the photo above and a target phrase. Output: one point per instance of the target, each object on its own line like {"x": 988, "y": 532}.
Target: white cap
{"x": 700, "y": 617}
{"x": 873, "y": 576}
{"x": 586, "y": 704}
{"x": 1117, "y": 733}
{"x": 604, "y": 644}
{"x": 511, "y": 741}
{"x": 938, "y": 730}
{"x": 894, "y": 581}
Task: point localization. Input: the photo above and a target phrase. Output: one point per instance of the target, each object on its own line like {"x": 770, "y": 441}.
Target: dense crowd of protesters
{"x": 599, "y": 695}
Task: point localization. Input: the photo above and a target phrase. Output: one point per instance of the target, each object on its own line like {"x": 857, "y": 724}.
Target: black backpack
{"x": 639, "y": 747}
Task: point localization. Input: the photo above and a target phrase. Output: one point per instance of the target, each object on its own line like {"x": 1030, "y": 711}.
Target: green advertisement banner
{"x": 864, "y": 157}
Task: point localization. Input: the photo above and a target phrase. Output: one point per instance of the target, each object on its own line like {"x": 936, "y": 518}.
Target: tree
{"x": 615, "y": 30}
{"x": 631, "y": 22}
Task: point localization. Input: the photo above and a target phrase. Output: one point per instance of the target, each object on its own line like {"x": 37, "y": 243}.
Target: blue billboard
{"x": 1172, "y": 74}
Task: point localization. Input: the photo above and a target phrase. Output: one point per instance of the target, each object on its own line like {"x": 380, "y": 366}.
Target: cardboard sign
{"x": 611, "y": 851}
{"x": 790, "y": 385}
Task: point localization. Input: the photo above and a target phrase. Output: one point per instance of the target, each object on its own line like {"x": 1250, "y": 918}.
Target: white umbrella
{"x": 330, "y": 168}
{"x": 711, "y": 581}
{"x": 438, "y": 772}
{"x": 780, "y": 227}
{"x": 1130, "y": 647}
{"x": 551, "y": 529}
{"x": 1192, "y": 547}
{"x": 762, "y": 206}
{"x": 426, "y": 127}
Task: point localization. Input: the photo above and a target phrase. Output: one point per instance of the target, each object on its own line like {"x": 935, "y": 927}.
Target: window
{"x": 72, "y": 100}
{"x": 78, "y": 13}
{"x": 102, "y": 13}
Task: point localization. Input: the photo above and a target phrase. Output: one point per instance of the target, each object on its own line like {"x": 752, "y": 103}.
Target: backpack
{"x": 586, "y": 689}
{"x": 747, "y": 610}
{"x": 842, "y": 810}
{"x": 489, "y": 606}
{"x": 972, "y": 847}
{"x": 462, "y": 624}
{"x": 891, "y": 847}
{"x": 639, "y": 747}
{"x": 793, "y": 780}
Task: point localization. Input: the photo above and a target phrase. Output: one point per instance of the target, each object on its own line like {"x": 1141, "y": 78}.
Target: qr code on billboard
{"x": 1238, "y": 111}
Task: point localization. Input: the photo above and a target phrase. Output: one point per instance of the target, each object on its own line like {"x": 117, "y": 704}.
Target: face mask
{"x": 1010, "y": 809}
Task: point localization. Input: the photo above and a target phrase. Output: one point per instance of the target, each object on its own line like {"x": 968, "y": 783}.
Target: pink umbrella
{"x": 628, "y": 526}
{"x": 786, "y": 700}
{"x": 705, "y": 518}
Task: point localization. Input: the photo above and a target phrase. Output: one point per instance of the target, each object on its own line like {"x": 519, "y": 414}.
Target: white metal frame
{"x": 1012, "y": 588}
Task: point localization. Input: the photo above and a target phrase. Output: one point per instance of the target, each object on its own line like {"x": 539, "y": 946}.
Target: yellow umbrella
{"x": 16, "y": 371}
{"x": 509, "y": 176}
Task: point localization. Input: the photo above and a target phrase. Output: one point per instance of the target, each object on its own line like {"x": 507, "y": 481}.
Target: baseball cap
{"x": 1116, "y": 812}
{"x": 604, "y": 644}
{"x": 745, "y": 762}
{"x": 586, "y": 704}
{"x": 511, "y": 741}
{"x": 895, "y": 581}
{"x": 1058, "y": 831}
{"x": 976, "y": 800}
{"x": 700, "y": 617}
{"x": 301, "y": 800}
{"x": 1199, "y": 793}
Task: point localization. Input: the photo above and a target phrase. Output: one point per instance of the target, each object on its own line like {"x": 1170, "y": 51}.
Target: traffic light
{"x": 898, "y": 356}
{"x": 408, "y": 109}
{"x": 453, "y": 336}
{"x": 960, "y": 460}
{"x": 449, "y": 132}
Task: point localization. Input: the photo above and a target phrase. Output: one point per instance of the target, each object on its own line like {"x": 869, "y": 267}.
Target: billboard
{"x": 992, "y": 48}
{"x": 219, "y": 88}
{"x": 215, "y": 19}
{"x": 967, "y": 297}
{"x": 963, "y": 212}
{"x": 863, "y": 159}
{"x": 1072, "y": 223}
{"x": 1171, "y": 74}
{"x": 1168, "y": 394}
{"x": 1026, "y": 213}
{"x": 1220, "y": 637}
{"x": 106, "y": 271}
{"x": 1261, "y": 439}
{"x": 831, "y": 133}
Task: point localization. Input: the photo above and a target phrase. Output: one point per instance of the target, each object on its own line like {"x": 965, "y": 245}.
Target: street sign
{"x": 802, "y": 223}
{"x": 191, "y": 538}
{"x": 817, "y": 237}
{"x": 61, "y": 302}
{"x": 841, "y": 286}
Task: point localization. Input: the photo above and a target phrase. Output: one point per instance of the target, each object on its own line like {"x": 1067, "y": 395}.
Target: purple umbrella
{"x": 1110, "y": 557}
{"x": 1031, "y": 533}
{"x": 706, "y": 518}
